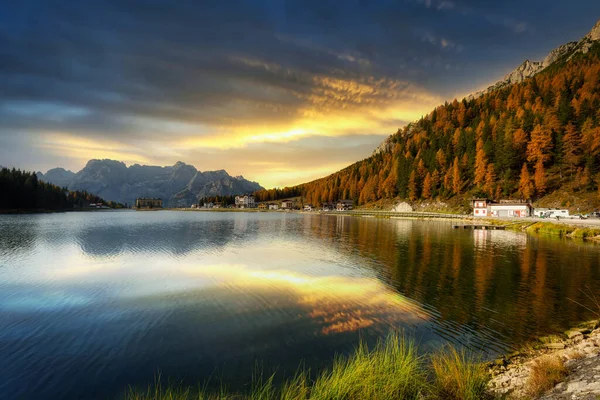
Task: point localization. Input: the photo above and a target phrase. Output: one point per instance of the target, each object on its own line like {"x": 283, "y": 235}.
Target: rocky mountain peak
{"x": 530, "y": 68}
{"x": 595, "y": 32}
{"x": 178, "y": 185}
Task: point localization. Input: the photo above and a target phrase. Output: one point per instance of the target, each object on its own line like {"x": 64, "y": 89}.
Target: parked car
{"x": 580, "y": 216}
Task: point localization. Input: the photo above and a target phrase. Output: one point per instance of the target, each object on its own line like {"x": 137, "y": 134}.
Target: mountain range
{"x": 178, "y": 185}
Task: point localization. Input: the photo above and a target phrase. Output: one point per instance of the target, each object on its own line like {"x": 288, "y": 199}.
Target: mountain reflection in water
{"x": 94, "y": 302}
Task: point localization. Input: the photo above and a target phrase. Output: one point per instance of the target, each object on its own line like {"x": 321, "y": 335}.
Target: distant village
{"x": 247, "y": 201}
{"x": 482, "y": 207}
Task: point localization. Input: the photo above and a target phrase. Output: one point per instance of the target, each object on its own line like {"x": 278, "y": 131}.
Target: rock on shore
{"x": 581, "y": 354}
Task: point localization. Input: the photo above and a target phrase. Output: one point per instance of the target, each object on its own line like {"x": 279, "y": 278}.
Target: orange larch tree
{"x": 426, "y": 193}
{"x": 480, "y": 164}
{"x": 525, "y": 184}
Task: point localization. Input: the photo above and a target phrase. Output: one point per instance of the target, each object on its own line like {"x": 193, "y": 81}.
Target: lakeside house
{"x": 480, "y": 207}
{"x": 145, "y": 202}
{"x": 502, "y": 208}
{"x": 245, "y": 201}
{"x": 344, "y": 205}
{"x": 263, "y": 206}
{"x": 287, "y": 204}
{"x": 273, "y": 206}
{"x": 327, "y": 207}
{"x": 308, "y": 207}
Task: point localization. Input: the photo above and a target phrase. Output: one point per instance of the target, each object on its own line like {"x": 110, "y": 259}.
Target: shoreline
{"x": 588, "y": 230}
{"x": 575, "y": 354}
{"x": 43, "y": 211}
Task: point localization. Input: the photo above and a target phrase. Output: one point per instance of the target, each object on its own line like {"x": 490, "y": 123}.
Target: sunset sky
{"x": 281, "y": 92}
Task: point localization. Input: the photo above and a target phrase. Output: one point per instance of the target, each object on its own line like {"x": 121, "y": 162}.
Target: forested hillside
{"x": 521, "y": 141}
{"x": 20, "y": 190}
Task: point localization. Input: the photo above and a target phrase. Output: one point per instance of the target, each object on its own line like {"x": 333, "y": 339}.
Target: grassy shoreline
{"x": 558, "y": 229}
{"x": 393, "y": 369}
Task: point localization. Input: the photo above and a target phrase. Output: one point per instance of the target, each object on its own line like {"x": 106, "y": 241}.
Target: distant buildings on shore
{"x": 248, "y": 201}
{"x": 245, "y": 201}
{"x": 512, "y": 208}
{"x": 146, "y": 202}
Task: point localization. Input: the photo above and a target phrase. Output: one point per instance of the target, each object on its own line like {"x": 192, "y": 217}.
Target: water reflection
{"x": 93, "y": 302}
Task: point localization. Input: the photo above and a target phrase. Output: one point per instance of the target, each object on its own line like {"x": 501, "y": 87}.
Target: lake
{"x": 92, "y": 302}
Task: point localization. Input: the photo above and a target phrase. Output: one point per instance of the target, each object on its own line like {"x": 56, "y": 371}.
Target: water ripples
{"x": 93, "y": 302}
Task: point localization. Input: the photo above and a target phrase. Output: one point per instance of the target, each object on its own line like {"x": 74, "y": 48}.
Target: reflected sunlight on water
{"x": 94, "y": 302}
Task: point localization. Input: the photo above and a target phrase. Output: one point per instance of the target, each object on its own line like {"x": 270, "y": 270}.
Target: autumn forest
{"x": 522, "y": 141}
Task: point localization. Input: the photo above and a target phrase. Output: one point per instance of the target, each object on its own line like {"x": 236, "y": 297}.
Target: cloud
{"x": 158, "y": 82}
{"x": 478, "y": 10}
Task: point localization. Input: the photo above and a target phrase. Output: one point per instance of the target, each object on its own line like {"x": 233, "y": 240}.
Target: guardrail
{"x": 396, "y": 214}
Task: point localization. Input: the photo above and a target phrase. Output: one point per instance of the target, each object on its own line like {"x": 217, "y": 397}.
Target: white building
{"x": 245, "y": 201}
{"x": 287, "y": 204}
{"x": 503, "y": 208}
{"x": 506, "y": 209}
{"x": 308, "y": 207}
{"x": 273, "y": 206}
{"x": 480, "y": 207}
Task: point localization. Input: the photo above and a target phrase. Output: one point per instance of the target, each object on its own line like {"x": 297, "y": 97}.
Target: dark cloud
{"x": 127, "y": 69}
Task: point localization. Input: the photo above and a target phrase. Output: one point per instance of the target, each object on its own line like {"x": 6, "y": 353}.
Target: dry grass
{"x": 575, "y": 354}
{"x": 545, "y": 374}
{"x": 457, "y": 376}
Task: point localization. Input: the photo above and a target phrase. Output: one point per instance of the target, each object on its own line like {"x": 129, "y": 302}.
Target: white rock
{"x": 402, "y": 207}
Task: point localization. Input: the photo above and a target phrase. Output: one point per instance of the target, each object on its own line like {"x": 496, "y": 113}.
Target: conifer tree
{"x": 540, "y": 178}
{"x": 426, "y": 193}
{"x": 490, "y": 180}
{"x": 525, "y": 184}
{"x": 456, "y": 178}
{"x": 540, "y": 145}
{"x": 572, "y": 147}
{"x": 480, "y": 164}
{"x": 412, "y": 186}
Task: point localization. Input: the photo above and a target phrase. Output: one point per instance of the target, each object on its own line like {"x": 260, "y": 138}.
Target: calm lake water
{"x": 91, "y": 303}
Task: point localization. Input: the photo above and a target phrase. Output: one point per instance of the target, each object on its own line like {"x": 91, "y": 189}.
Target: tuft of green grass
{"x": 392, "y": 370}
{"x": 458, "y": 376}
